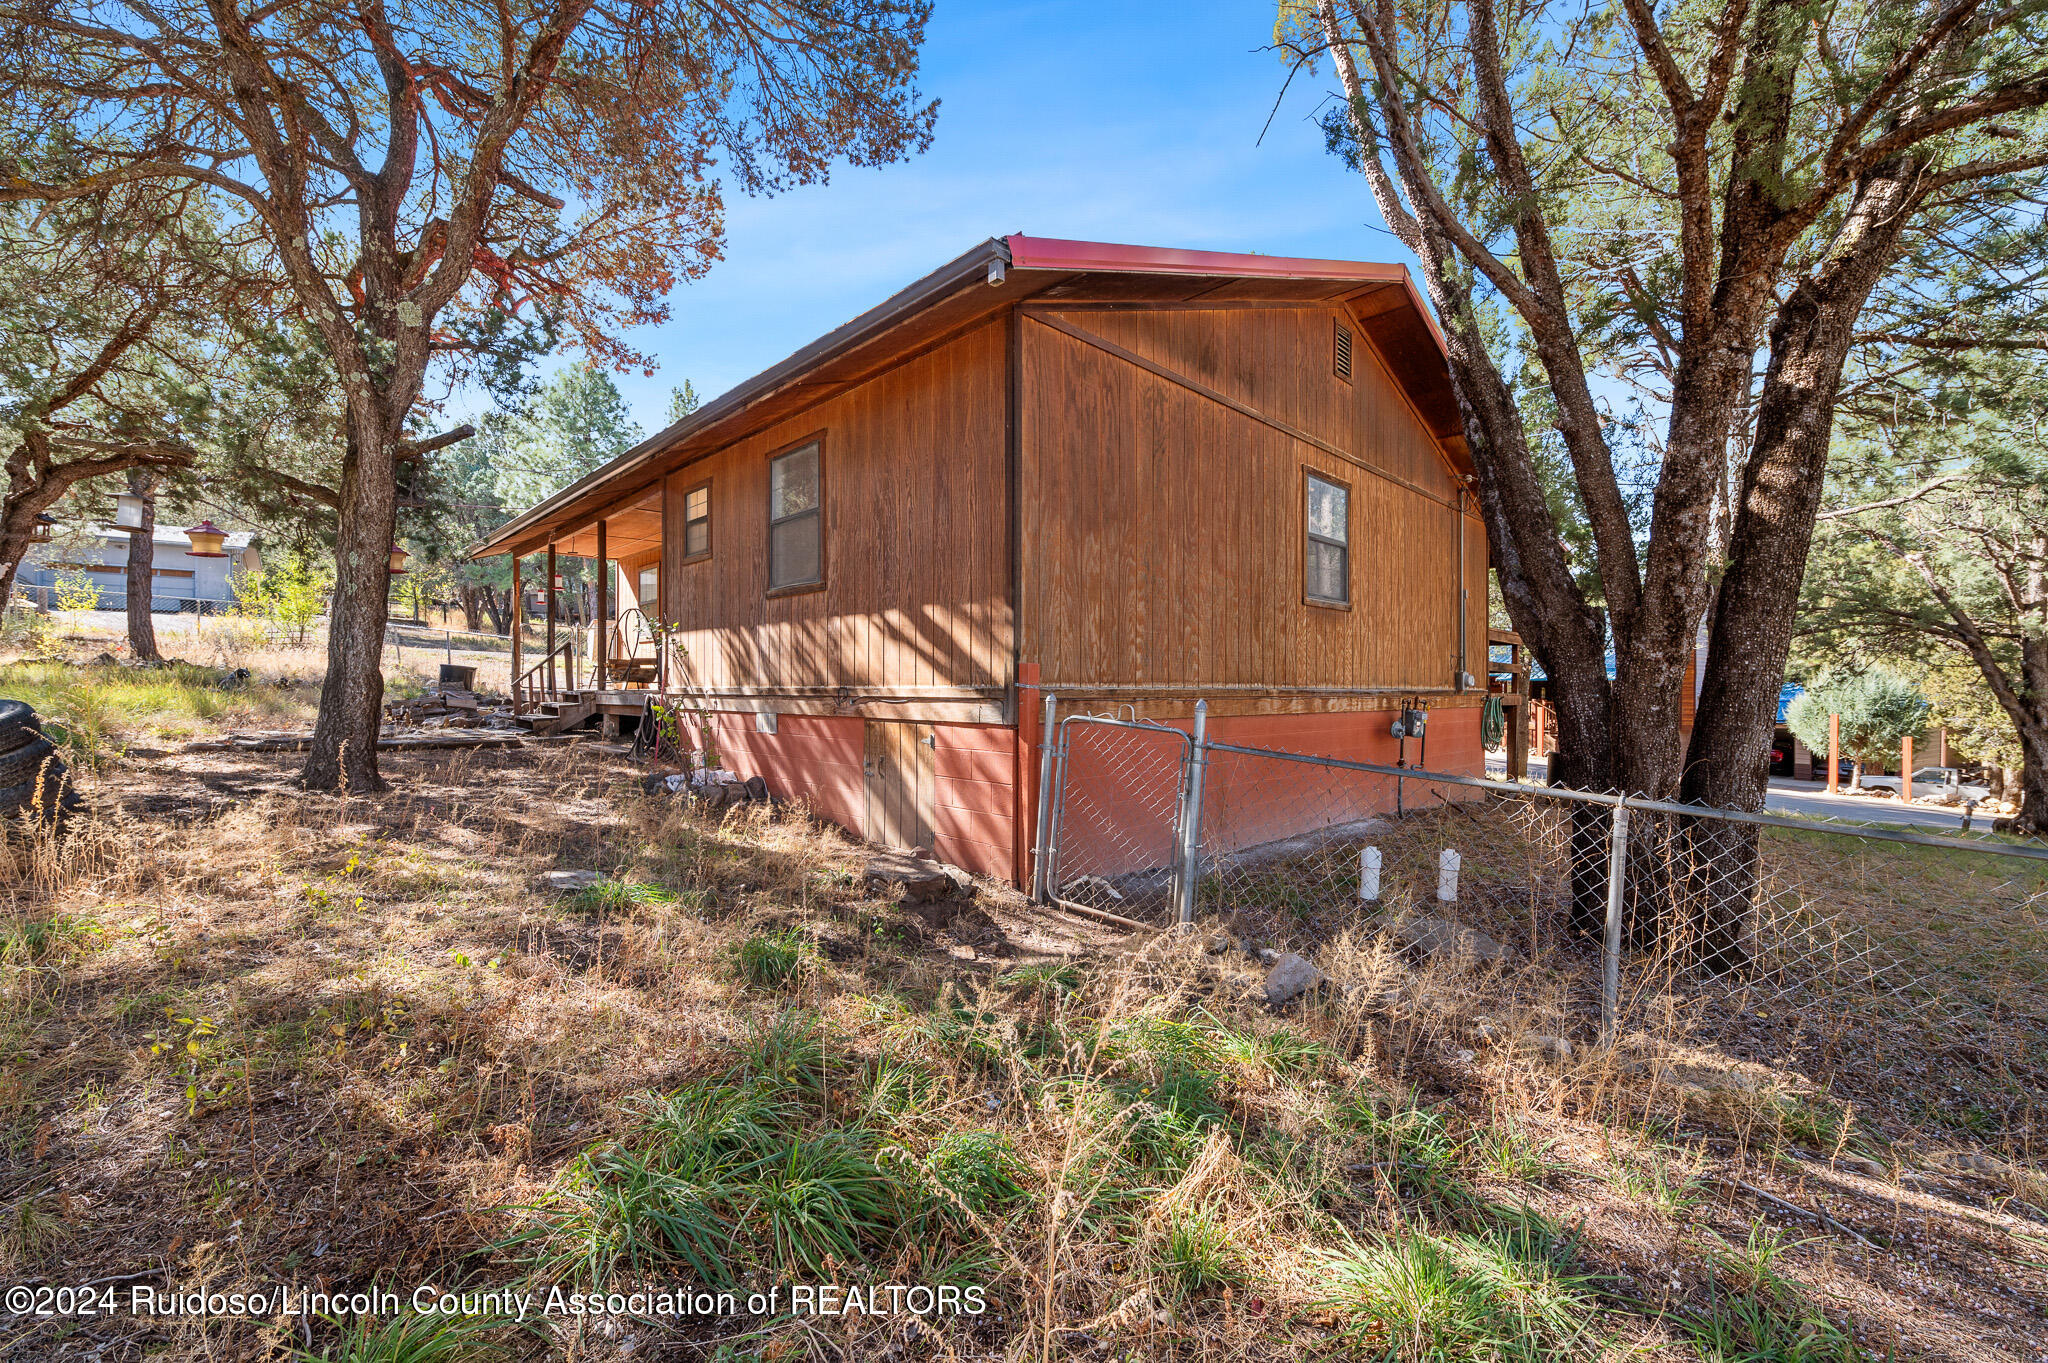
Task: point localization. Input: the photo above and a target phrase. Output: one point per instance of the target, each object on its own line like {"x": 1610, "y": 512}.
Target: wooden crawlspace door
{"x": 897, "y": 760}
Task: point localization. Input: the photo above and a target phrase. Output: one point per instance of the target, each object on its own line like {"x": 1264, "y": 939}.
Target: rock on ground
{"x": 1711, "y": 1080}
{"x": 920, "y": 878}
{"x": 1441, "y": 939}
{"x": 572, "y": 880}
{"x": 1555, "y": 1049}
{"x": 1290, "y": 978}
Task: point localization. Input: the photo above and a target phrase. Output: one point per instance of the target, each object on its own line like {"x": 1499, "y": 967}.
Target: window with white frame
{"x": 1327, "y": 573}
{"x": 796, "y": 519}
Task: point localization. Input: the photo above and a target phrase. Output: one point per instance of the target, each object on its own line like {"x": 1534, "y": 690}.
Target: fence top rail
{"x": 1638, "y": 803}
{"x": 1117, "y": 722}
{"x": 427, "y": 627}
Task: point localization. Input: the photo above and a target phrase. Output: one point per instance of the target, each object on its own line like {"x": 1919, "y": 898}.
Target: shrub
{"x": 818, "y": 1197}
{"x": 619, "y": 896}
{"x": 616, "y": 1209}
{"x": 1878, "y": 708}
{"x": 789, "y": 1050}
{"x": 409, "y": 1338}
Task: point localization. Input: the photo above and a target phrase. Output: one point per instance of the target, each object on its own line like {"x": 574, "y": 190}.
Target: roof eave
{"x": 969, "y": 267}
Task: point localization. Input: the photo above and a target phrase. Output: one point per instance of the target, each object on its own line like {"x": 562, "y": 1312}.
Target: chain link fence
{"x": 1900, "y": 954}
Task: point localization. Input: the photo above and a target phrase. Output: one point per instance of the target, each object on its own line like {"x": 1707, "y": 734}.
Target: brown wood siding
{"x": 916, "y": 596}
{"x": 1279, "y": 360}
{"x": 1164, "y": 526}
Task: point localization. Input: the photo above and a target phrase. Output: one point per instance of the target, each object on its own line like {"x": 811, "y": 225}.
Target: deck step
{"x": 560, "y": 716}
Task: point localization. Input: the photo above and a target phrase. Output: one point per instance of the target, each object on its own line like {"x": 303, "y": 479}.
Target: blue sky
{"x": 1115, "y": 122}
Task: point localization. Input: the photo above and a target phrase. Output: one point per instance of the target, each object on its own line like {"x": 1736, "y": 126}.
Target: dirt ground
{"x": 255, "y": 1036}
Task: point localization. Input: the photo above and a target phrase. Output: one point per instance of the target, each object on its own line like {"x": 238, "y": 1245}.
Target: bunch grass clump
{"x": 771, "y": 960}
{"x": 1504, "y": 1292}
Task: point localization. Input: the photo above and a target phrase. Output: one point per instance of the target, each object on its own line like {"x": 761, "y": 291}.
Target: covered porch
{"x": 601, "y": 646}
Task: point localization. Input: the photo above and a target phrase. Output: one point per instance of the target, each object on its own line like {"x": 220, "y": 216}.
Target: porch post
{"x": 518, "y": 610}
{"x": 552, "y": 693}
{"x": 603, "y": 622}
{"x": 1518, "y": 717}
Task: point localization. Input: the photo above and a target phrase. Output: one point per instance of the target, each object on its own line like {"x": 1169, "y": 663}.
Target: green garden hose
{"x": 1493, "y": 723}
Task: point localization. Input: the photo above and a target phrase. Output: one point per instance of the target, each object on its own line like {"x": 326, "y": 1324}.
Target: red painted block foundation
{"x": 1122, "y": 787}
{"x": 818, "y": 759}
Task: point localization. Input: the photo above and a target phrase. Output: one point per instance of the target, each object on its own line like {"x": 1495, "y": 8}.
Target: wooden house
{"x": 1125, "y": 475}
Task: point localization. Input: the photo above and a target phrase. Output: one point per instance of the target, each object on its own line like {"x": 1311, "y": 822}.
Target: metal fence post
{"x": 1610, "y": 965}
{"x": 1191, "y": 815}
{"x": 1050, "y": 871}
{"x": 1040, "y": 890}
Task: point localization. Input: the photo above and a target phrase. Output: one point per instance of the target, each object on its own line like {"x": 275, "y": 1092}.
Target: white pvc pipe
{"x": 1369, "y": 873}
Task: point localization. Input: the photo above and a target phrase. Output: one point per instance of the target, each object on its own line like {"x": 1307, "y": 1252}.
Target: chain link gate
{"x": 1118, "y": 808}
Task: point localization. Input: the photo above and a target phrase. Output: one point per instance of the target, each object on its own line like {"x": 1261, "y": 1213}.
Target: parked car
{"x": 1933, "y": 785}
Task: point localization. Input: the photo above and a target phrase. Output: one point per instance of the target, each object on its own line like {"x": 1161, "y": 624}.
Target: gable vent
{"x": 1343, "y": 351}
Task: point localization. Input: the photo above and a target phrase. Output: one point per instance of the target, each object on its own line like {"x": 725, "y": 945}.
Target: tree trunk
{"x": 472, "y": 609}
{"x": 499, "y": 611}
{"x": 142, "y": 571}
{"x": 344, "y": 751}
{"x": 1728, "y": 763}
{"x": 2033, "y": 784}
{"x": 11, "y": 554}
{"x": 1544, "y": 603}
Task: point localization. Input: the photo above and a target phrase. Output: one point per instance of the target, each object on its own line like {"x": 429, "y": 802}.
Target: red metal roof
{"x": 1060, "y": 253}
{"x": 1056, "y": 253}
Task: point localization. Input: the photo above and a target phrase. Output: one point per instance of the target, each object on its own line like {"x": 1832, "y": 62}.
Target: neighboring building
{"x": 181, "y": 582}
{"x": 1125, "y": 475}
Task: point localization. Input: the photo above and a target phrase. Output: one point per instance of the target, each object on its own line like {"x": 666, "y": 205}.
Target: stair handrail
{"x": 527, "y": 692}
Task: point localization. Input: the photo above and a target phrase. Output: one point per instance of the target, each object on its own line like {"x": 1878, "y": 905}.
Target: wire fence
{"x": 54, "y": 597}
{"x": 1615, "y": 915}
{"x": 220, "y": 625}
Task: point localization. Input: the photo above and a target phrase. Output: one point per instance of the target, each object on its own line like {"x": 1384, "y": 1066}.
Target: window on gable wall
{"x": 796, "y": 521}
{"x": 1327, "y": 573}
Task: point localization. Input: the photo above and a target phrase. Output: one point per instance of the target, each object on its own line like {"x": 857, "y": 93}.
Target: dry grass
{"x": 252, "y": 1035}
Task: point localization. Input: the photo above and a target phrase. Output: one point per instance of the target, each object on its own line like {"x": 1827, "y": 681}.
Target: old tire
{"x": 18, "y": 725}
{"x": 45, "y": 796}
{"x": 24, "y": 762}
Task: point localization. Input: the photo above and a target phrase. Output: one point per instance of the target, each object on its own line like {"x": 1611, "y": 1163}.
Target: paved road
{"x": 1811, "y": 799}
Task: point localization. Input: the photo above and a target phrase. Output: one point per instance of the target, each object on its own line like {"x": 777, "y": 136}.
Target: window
{"x": 1328, "y": 574}
{"x": 796, "y": 524}
{"x": 697, "y": 523}
{"x": 172, "y": 572}
{"x": 644, "y": 591}
{"x": 1342, "y": 360}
